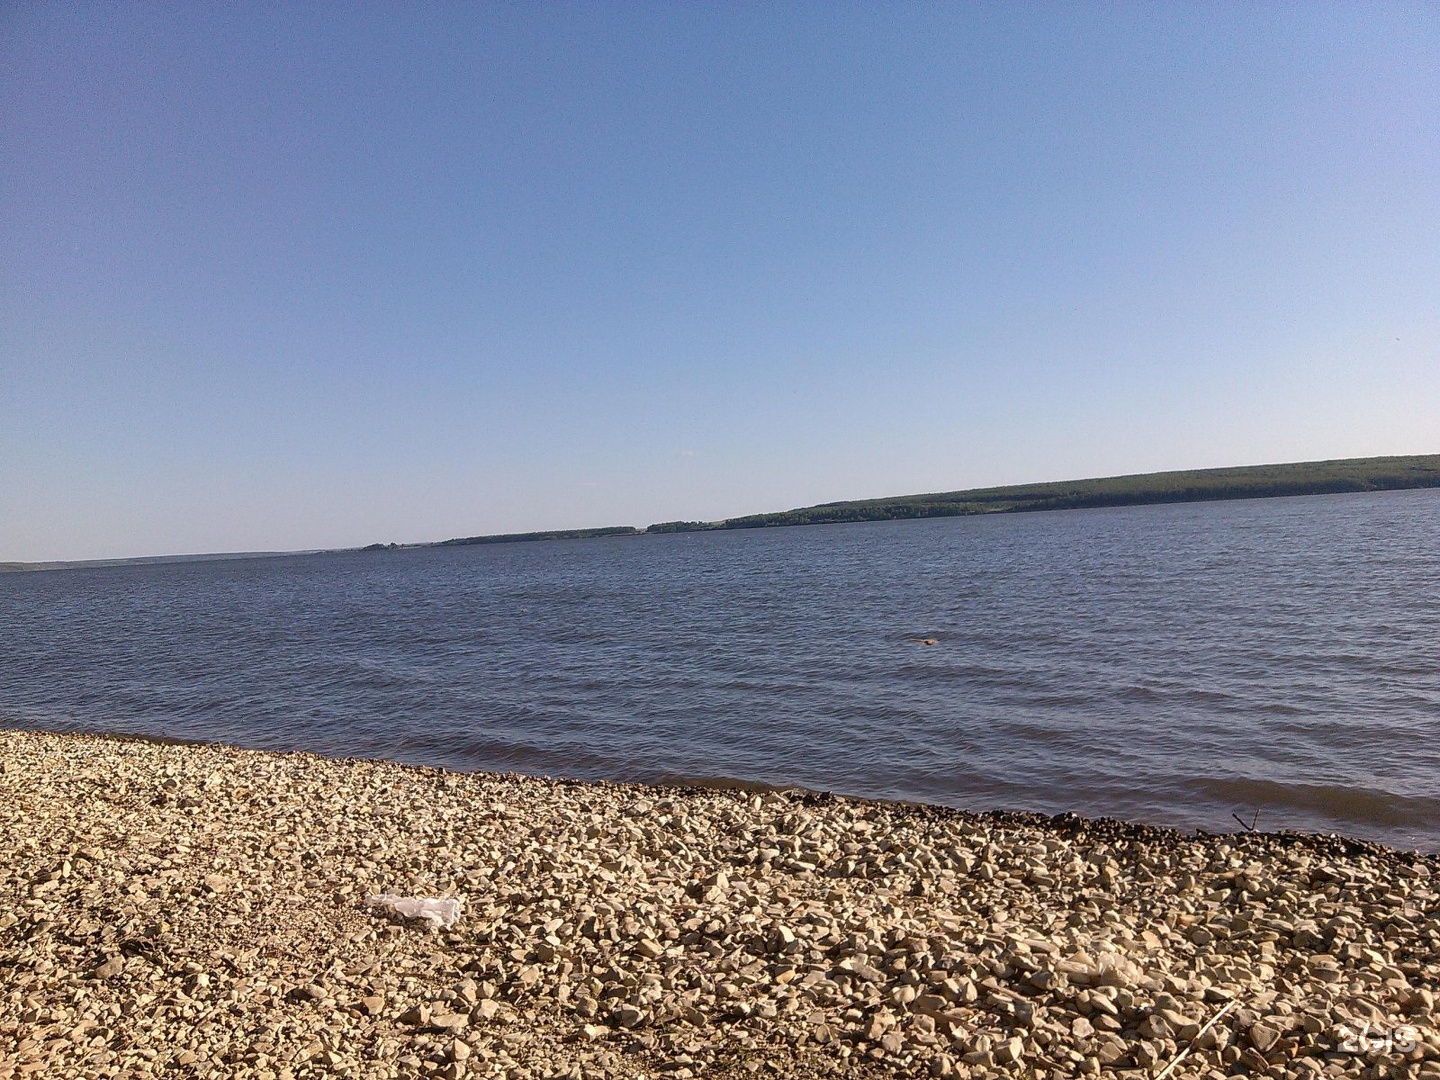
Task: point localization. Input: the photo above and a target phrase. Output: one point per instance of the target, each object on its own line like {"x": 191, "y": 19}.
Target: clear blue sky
{"x": 280, "y": 276}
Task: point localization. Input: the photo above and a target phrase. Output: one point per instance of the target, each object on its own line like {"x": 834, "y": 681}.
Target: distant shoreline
{"x": 1336, "y": 477}
{"x": 1350, "y": 475}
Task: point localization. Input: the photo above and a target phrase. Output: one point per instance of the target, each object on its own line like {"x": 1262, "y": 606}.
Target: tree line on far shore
{"x": 1193, "y": 485}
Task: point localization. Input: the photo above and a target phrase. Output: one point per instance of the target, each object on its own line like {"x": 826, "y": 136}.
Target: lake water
{"x": 1170, "y": 664}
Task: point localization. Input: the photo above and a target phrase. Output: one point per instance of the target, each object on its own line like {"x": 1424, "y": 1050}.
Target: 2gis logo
{"x": 1362, "y": 1037}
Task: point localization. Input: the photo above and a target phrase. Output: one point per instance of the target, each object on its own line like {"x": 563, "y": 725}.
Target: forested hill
{"x": 1196, "y": 485}
{"x": 515, "y": 538}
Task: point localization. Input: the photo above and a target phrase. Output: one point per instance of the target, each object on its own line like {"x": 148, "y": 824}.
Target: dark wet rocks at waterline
{"x": 201, "y": 911}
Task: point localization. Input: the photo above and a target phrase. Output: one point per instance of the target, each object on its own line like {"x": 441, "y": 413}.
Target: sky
{"x": 291, "y": 276}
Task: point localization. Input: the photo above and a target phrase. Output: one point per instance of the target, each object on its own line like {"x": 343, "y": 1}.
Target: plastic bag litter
{"x": 437, "y": 911}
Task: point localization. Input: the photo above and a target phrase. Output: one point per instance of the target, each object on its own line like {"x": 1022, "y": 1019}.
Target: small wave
{"x": 1336, "y": 802}
{"x": 1137, "y": 694}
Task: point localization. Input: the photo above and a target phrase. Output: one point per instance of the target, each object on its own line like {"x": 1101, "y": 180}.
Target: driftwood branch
{"x": 1241, "y": 821}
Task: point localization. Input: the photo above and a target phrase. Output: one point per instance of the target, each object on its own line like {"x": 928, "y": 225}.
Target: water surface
{"x": 1171, "y": 664}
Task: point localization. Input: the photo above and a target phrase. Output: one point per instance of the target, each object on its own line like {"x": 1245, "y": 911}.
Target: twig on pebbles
{"x": 1183, "y": 1054}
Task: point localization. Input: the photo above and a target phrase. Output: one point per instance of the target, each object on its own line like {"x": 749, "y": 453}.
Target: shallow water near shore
{"x": 1274, "y": 659}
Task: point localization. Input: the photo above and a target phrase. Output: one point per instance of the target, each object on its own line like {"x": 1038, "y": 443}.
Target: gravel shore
{"x": 200, "y": 911}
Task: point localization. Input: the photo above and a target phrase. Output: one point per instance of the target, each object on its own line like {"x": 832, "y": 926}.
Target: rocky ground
{"x": 199, "y": 911}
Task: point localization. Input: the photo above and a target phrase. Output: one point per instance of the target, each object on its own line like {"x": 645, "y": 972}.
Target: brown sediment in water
{"x": 200, "y": 911}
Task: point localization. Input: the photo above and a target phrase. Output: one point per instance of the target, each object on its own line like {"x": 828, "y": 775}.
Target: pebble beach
{"x": 203, "y": 911}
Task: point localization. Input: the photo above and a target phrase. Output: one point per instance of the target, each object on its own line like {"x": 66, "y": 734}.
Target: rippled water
{"x": 1173, "y": 664}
